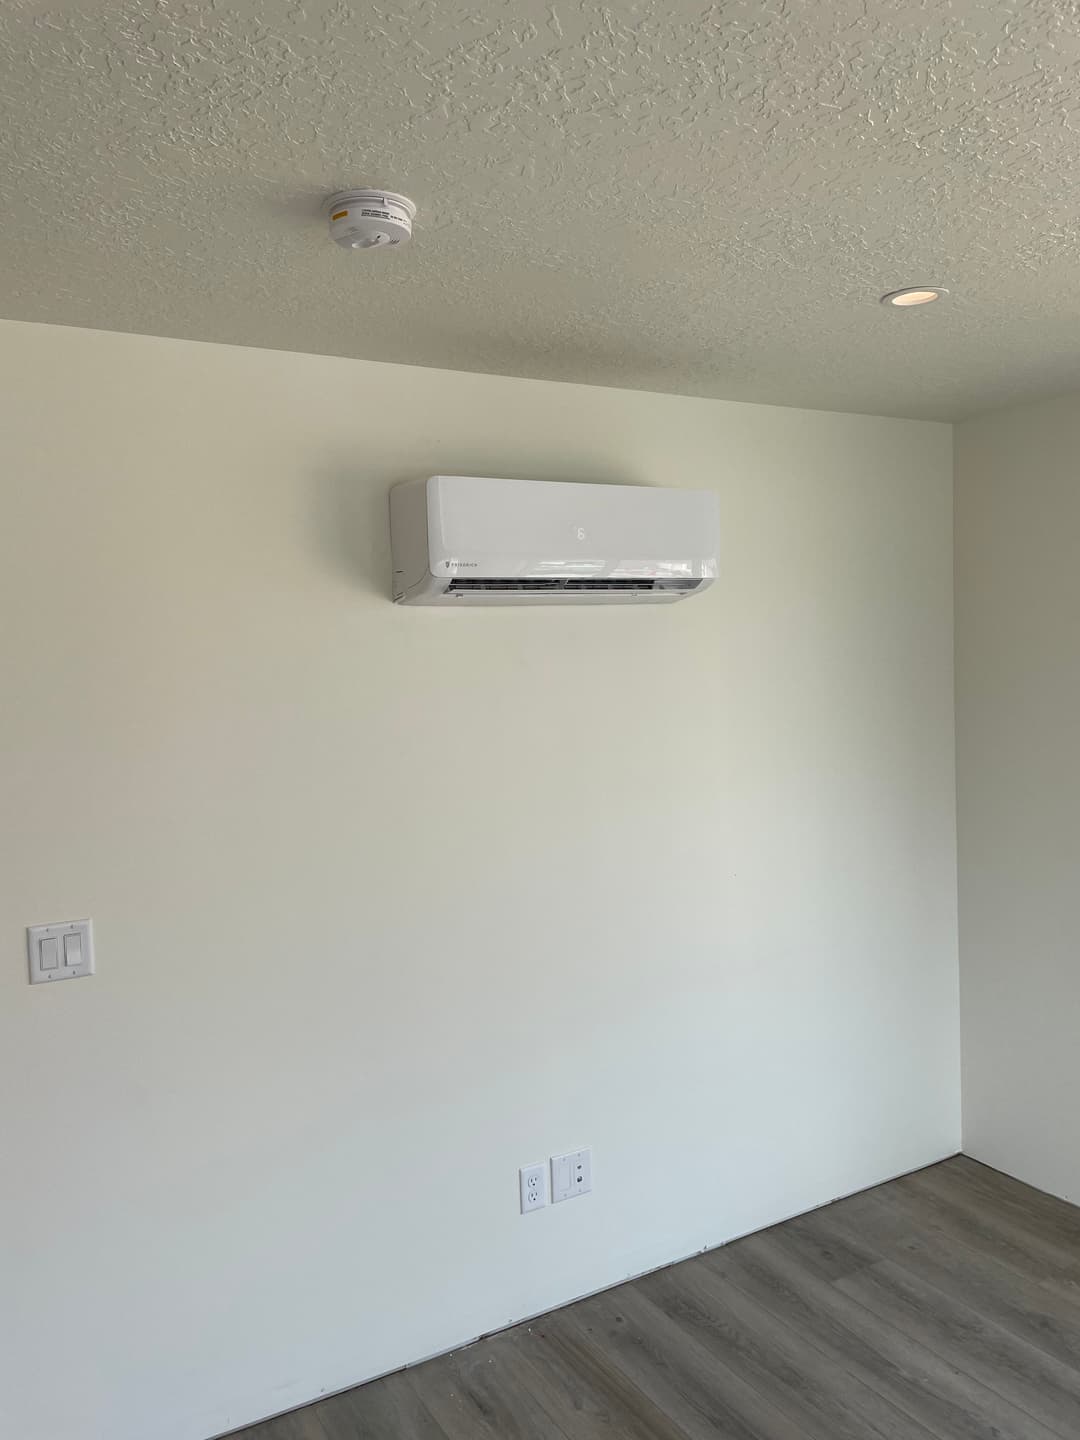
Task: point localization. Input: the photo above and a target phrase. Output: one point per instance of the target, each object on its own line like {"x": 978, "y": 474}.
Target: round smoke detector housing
{"x": 369, "y": 219}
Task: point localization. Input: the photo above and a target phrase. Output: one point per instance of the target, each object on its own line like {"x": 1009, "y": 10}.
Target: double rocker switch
{"x": 60, "y": 952}
{"x": 50, "y": 950}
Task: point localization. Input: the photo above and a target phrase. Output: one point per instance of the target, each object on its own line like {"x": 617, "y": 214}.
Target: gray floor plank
{"x": 303, "y": 1424}
{"x": 812, "y": 1388}
{"x": 997, "y": 1230}
{"x": 383, "y": 1410}
{"x": 589, "y": 1398}
{"x": 1025, "y": 1202}
{"x": 1007, "y": 1247}
{"x": 942, "y": 1306}
{"x": 915, "y": 1332}
{"x": 921, "y": 1387}
{"x": 474, "y": 1393}
{"x": 704, "y": 1396}
{"x": 942, "y": 1258}
{"x": 1026, "y": 1378}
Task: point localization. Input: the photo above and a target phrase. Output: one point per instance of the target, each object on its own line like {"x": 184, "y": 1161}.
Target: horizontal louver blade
{"x": 473, "y": 585}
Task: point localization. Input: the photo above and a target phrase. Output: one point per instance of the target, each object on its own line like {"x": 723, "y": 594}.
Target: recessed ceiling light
{"x": 914, "y": 295}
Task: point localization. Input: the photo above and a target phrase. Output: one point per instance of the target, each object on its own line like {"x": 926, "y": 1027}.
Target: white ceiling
{"x": 667, "y": 196}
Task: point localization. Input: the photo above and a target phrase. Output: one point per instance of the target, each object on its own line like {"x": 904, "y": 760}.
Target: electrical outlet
{"x": 533, "y": 1182}
{"x": 571, "y": 1175}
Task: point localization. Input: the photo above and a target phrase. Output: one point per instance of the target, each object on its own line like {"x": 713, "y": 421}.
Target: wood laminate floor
{"x": 943, "y": 1306}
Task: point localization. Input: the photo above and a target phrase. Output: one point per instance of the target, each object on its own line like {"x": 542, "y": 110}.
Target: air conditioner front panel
{"x": 513, "y": 542}
{"x": 522, "y": 527}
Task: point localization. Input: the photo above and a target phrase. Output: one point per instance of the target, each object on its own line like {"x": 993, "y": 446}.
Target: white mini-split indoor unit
{"x": 470, "y": 540}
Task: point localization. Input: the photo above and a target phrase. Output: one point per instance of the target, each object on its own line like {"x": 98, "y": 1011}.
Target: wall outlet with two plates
{"x": 571, "y": 1175}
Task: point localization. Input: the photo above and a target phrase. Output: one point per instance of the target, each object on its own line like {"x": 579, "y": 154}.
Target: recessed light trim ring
{"x": 912, "y": 295}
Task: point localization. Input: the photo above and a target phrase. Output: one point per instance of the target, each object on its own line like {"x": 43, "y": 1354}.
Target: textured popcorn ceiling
{"x": 669, "y": 196}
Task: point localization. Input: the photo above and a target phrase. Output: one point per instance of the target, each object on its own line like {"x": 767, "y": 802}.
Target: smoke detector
{"x": 369, "y": 219}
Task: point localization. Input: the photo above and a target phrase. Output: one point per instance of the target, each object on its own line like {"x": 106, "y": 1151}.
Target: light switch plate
{"x": 571, "y": 1175}
{"x": 60, "y": 952}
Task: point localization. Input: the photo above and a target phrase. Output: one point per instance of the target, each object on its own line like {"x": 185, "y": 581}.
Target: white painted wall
{"x": 390, "y": 901}
{"x": 1018, "y": 702}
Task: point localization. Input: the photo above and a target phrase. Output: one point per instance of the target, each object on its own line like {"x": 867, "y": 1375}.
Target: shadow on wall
{"x": 350, "y": 526}
{"x": 350, "y": 515}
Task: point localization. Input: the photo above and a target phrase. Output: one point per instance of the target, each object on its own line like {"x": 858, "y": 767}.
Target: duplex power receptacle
{"x": 532, "y": 1181}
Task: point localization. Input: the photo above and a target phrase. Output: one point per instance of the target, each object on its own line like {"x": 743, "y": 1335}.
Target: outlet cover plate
{"x": 532, "y": 1180}
{"x": 63, "y": 951}
{"x": 571, "y": 1175}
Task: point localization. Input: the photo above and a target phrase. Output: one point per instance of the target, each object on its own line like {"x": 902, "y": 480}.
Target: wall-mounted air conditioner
{"x": 468, "y": 540}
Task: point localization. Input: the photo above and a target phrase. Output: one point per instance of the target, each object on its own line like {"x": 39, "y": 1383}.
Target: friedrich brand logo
{"x": 462, "y": 564}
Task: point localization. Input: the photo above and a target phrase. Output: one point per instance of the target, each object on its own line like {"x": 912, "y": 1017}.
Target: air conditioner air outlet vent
{"x": 472, "y": 585}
